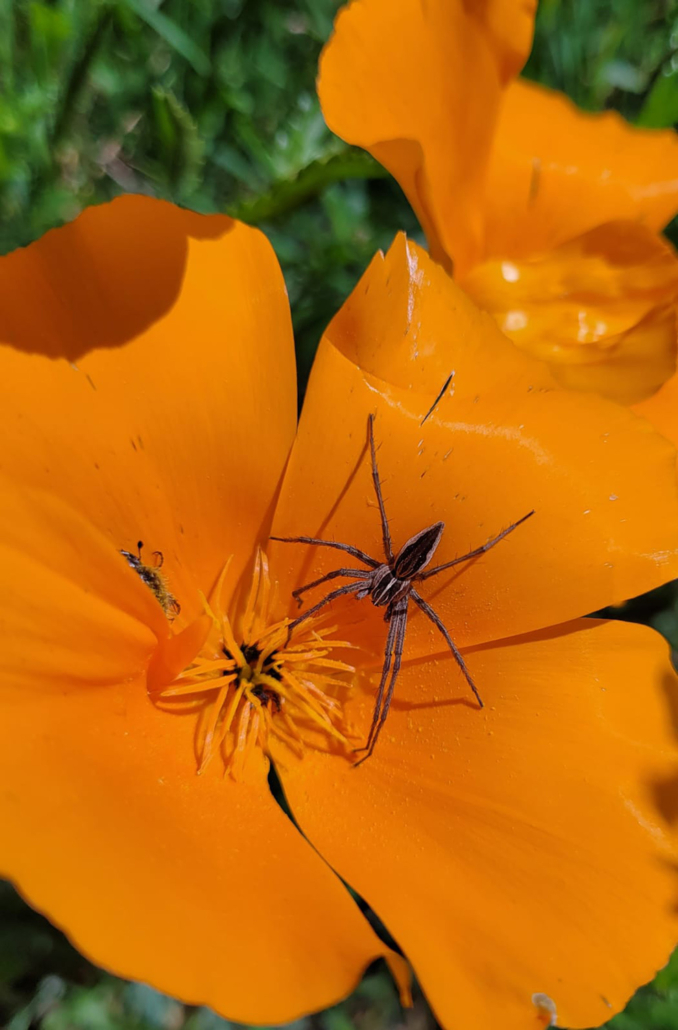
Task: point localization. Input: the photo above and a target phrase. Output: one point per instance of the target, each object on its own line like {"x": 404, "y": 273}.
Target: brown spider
{"x": 391, "y": 584}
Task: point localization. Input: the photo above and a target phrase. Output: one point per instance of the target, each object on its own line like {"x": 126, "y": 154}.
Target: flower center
{"x": 260, "y": 680}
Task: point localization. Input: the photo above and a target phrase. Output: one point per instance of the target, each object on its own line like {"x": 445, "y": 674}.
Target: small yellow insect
{"x": 153, "y": 578}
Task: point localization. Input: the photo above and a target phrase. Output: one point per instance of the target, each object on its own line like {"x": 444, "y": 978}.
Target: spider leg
{"x": 386, "y": 533}
{"x": 436, "y": 620}
{"x": 356, "y": 573}
{"x": 477, "y": 551}
{"x": 353, "y": 551}
{"x": 399, "y": 621}
{"x": 332, "y": 596}
{"x": 388, "y": 654}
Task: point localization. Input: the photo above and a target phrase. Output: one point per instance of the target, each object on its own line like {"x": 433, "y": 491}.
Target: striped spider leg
{"x": 391, "y": 584}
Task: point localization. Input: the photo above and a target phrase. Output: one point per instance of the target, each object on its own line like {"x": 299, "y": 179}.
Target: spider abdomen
{"x": 415, "y": 555}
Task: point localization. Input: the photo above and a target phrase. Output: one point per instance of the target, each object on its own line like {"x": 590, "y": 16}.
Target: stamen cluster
{"x": 258, "y": 680}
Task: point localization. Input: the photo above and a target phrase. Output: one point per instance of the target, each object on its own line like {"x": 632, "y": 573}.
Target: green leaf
{"x": 174, "y": 36}
{"x": 151, "y": 1008}
{"x": 660, "y": 109}
{"x": 288, "y": 194}
{"x": 179, "y": 147}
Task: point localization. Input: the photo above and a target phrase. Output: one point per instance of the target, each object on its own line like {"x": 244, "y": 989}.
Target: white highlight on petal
{"x": 416, "y": 279}
{"x": 514, "y": 320}
{"x": 510, "y": 272}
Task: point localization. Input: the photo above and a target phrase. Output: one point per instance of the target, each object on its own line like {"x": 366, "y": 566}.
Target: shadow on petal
{"x": 102, "y": 280}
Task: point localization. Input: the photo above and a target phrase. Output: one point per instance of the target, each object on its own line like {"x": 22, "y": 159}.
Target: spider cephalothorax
{"x": 391, "y": 584}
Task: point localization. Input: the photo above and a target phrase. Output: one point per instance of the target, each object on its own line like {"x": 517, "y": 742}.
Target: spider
{"x": 391, "y": 584}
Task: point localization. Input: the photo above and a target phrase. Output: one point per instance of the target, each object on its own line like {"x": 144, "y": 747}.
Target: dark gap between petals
{"x": 278, "y": 792}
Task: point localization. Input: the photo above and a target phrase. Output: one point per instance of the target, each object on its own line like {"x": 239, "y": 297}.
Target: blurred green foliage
{"x": 211, "y": 103}
{"x": 611, "y": 53}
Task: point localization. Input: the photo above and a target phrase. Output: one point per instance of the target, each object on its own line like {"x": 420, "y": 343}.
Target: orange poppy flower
{"x": 549, "y": 217}
{"x": 148, "y": 393}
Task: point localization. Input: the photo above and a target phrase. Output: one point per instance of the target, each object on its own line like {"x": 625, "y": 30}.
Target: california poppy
{"x": 523, "y": 854}
{"x": 548, "y": 217}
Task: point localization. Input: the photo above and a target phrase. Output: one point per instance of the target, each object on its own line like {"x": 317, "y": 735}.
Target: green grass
{"x": 211, "y": 103}
{"x": 214, "y": 109}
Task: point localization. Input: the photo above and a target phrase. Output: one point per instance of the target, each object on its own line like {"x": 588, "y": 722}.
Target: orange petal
{"x": 635, "y": 366}
{"x": 498, "y": 445}
{"x": 407, "y": 324}
{"x": 556, "y": 172}
{"x": 524, "y": 857}
{"x": 147, "y": 377}
{"x": 599, "y": 309}
{"x": 662, "y": 410}
{"x": 73, "y": 613}
{"x": 510, "y": 27}
{"x": 195, "y": 884}
{"x": 418, "y": 85}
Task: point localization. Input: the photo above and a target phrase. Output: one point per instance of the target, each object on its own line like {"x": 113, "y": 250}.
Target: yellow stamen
{"x": 195, "y": 687}
{"x": 207, "y": 750}
{"x": 242, "y": 748}
{"x": 261, "y": 682}
{"x": 230, "y": 643}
